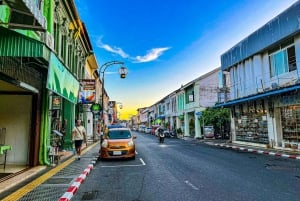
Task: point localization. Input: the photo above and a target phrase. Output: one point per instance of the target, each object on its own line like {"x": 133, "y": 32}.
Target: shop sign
{"x": 95, "y": 108}
{"x": 56, "y": 101}
{"x": 61, "y": 81}
{"x": 291, "y": 99}
{"x": 87, "y": 93}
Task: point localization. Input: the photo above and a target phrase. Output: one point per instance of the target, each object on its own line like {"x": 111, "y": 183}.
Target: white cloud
{"x": 152, "y": 54}
{"x": 108, "y": 48}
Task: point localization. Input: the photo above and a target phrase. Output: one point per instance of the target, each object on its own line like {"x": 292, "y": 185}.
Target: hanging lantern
{"x": 123, "y": 72}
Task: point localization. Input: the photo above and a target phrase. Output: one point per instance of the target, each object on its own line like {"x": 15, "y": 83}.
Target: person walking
{"x": 78, "y": 136}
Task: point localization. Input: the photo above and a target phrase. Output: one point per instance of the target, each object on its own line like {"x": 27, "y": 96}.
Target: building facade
{"x": 264, "y": 82}
{"x": 42, "y": 59}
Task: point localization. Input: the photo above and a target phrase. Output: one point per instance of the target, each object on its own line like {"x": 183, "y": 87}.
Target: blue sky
{"x": 165, "y": 43}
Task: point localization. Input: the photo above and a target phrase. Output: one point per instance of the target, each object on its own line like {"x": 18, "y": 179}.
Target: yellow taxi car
{"x": 118, "y": 143}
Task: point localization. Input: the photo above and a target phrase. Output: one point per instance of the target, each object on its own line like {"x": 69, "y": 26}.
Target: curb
{"x": 75, "y": 185}
{"x": 292, "y": 156}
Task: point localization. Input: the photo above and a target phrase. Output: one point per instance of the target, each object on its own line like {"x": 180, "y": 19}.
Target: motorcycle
{"x": 161, "y": 136}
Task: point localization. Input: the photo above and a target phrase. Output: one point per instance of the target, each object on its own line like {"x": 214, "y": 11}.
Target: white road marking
{"x": 142, "y": 161}
{"x": 114, "y": 166}
{"x": 191, "y": 185}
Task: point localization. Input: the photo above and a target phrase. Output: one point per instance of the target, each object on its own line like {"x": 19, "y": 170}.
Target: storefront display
{"x": 290, "y": 118}
{"x": 251, "y": 123}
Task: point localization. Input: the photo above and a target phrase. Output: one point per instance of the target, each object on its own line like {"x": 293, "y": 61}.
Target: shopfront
{"x": 251, "y": 123}
{"x": 63, "y": 96}
{"x": 289, "y": 104}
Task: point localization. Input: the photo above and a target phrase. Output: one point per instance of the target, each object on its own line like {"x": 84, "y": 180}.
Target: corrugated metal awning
{"x": 258, "y": 96}
{"x": 13, "y": 44}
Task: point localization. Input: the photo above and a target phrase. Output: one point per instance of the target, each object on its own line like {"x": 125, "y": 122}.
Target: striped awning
{"x": 13, "y": 44}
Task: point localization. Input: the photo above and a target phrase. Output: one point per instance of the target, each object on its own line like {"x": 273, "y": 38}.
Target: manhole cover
{"x": 91, "y": 195}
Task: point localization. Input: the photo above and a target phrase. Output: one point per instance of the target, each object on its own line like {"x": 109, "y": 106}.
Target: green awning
{"x": 13, "y": 44}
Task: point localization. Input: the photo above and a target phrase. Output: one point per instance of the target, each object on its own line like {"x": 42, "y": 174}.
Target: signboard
{"x": 61, "y": 81}
{"x": 199, "y": 113}
{"x": 87, "y": 93}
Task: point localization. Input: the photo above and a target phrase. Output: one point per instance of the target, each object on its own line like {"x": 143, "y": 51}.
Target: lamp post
{"x": 123, "y": 71}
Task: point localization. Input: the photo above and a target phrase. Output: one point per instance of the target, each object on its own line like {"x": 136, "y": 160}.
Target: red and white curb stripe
{"x": 292, "y": 156}
{"x": 75, "y": 185}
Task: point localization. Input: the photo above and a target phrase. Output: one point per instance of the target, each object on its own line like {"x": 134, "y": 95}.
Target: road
{"x": 191, "y": 171}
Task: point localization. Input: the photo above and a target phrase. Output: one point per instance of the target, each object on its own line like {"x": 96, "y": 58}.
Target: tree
{"x": 217, "y": 117}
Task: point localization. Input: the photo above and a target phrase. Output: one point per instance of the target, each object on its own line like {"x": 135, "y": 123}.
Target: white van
{"x": 209, "y": 132}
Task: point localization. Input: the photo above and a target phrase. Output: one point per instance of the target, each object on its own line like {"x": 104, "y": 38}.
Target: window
{"x": 190, "y": 94}
{"x": 283, "y": 60}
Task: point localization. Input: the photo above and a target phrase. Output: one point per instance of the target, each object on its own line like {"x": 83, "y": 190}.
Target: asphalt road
{"x": 181, "y": 170}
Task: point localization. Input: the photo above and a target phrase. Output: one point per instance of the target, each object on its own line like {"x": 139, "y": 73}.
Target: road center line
{"x": 191, "y": 185}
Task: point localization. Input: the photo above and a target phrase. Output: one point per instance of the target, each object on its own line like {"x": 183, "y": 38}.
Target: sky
{"x": 165, "y": 43}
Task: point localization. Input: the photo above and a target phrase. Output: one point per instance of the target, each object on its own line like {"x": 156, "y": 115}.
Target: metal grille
{"x": 14, "y": 67}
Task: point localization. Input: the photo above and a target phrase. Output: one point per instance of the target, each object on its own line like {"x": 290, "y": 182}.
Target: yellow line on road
{"x": 35, "y": 183}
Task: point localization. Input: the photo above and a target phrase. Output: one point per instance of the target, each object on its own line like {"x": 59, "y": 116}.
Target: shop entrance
{"x": 15, "y": 121}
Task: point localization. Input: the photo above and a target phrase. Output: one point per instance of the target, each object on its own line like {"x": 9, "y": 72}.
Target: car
{"x": 209, "y": 132}
{"x": 142, "y": 128}
{"x": 115, "y": 126}
{"x": 118, "y": 143}
{"x": 148, "y": 130}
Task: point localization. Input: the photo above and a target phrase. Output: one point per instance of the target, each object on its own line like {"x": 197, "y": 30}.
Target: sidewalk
{"x": 50, "y": 182}
{"x": 279, "y": 152}
{"x": 227, "y": 144}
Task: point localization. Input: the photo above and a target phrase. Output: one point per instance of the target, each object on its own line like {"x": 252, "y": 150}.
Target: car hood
{"x": 118, "y": 140}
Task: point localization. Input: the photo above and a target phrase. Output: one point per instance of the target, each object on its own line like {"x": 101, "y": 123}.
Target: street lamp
{"x": 123, "y": 71}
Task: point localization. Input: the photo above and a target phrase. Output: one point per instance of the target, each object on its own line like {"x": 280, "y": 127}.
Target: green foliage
{"x": 179, "y": 131}
{"x": 216, "y": 117}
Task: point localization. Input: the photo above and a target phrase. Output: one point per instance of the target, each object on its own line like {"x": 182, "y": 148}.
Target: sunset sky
{"x": 164, "y": 43}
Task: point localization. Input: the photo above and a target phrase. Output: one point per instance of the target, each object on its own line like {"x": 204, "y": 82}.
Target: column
{"x": 186, "y": 125}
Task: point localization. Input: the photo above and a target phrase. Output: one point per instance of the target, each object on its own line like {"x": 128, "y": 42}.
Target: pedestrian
{"x": 63, "y": 132}
{"x": 78, "y": 136}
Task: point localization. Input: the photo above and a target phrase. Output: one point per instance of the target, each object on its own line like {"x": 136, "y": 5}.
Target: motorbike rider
{"x": 161, "y": 134}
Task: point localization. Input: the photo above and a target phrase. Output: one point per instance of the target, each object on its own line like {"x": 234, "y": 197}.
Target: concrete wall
{"x": 15, "y": 114}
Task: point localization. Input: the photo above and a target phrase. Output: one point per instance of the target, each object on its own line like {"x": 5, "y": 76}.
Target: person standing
{"x": 78, "y": 136}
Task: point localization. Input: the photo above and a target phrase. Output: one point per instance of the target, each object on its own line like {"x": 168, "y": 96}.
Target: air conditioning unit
{"x": 274, "y": 85}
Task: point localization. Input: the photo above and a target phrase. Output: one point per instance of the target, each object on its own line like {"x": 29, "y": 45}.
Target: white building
{"x": 264, "y": 76}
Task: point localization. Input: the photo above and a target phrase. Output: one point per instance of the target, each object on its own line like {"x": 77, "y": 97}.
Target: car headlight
{"x": 130, "y": 143}
{"x": 104, "y": 144}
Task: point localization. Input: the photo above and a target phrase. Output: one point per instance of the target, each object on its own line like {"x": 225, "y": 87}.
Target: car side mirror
{"x": 134, "y": 137}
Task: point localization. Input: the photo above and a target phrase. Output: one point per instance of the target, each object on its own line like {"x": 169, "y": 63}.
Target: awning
{"x": 161, "y": 117}
{"x": 13, "y": 44}
{"x": 258, "y": 96}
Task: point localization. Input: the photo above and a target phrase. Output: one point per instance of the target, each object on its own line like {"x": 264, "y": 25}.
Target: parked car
{"x": 118, "y": 143}
{"x": 209, "y": 132}
{"x": 142, "y": 128}
{"x": 148, "y": 130}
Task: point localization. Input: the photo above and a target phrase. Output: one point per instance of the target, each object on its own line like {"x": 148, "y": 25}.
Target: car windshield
{"x": 115, "y": 126}
{"x": 119, "y": 134}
